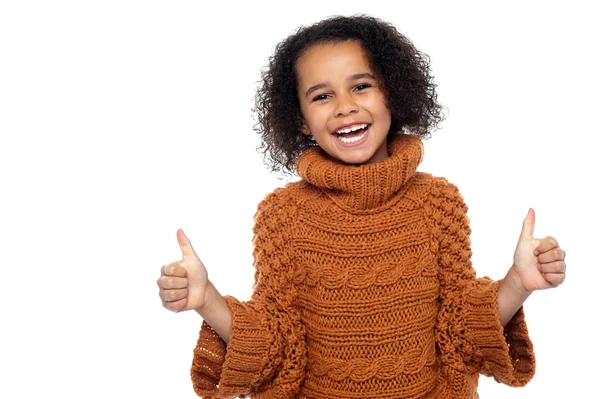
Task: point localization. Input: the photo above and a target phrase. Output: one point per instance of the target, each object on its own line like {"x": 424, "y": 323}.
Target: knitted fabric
{"x": 364, "y": 288}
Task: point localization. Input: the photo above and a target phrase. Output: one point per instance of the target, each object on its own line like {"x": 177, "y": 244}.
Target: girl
{"x": 364, "y": 286}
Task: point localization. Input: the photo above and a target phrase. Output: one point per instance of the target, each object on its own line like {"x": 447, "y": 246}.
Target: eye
{"x": 362, "y": 86}
{"x": 321, "y": 97}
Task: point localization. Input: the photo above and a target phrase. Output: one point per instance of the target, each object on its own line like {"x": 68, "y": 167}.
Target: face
{"x": 342, "y": 103}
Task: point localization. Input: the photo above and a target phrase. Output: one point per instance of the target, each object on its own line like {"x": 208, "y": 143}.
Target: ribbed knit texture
{"x": 364, "y": 289}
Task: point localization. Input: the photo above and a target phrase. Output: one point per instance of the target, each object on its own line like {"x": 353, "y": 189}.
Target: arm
{"x": 216, "y": 313}
{"x": 511, "y": 297}
{"x": 266, "y": 348}
{"x": 469, "y": 332}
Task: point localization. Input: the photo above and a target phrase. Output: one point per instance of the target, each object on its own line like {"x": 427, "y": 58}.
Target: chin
{"x": 356, "y": 160}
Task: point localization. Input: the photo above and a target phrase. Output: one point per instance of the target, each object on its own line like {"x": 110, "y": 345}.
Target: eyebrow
{"x": 356, "y": 76}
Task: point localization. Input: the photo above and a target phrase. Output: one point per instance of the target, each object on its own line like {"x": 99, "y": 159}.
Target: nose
{"x": 345, "y": 105}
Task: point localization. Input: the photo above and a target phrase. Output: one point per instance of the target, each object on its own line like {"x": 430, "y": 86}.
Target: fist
{"x": 182, "y": 285}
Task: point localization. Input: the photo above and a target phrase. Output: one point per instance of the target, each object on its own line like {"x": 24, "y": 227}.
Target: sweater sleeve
{"x": 266, "y": 353}
{"x": 468, "y": 330}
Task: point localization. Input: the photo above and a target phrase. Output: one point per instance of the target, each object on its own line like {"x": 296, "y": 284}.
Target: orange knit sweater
{"x": 364, "y": 288}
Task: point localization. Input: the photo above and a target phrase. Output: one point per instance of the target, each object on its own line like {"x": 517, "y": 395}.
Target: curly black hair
{"x": 403, "y": 71}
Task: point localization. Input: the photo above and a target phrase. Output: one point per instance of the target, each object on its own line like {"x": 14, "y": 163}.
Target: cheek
{"x": 316, "y": 115}
{"x": 304, "y": 115}
{"x": 380, "y": 105}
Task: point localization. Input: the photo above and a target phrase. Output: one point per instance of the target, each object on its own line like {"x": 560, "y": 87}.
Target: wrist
{"x": 511, "y": 296}
{"x": 513, "y": 282}
{"x": 215, "y": 312}
{"x": 205, "y": 305}
{"x": 212, "y": 301}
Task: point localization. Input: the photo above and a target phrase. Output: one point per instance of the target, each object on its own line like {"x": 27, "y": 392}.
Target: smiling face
{"x": 342, "y": 103}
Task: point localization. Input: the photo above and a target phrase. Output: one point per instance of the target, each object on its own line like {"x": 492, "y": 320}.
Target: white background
{"x": 122, "y": 121}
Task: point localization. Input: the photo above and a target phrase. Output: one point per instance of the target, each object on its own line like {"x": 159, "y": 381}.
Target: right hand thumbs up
{"x": 182, "y": 285}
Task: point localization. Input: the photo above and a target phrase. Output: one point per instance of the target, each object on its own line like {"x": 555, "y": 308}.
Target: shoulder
{"x": 276, "y": 211}
{"x": 287, "y": 199}
{"x": 433, "y": 183}
{"x": 278, "y": 201}
{"x": 442, "y": 202}
{"x": 427, "y": 189}
{"x": 437, "y": 188}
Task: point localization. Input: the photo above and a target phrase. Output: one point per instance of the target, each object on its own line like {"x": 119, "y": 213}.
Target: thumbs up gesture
{"x": 539, "y": 264}
{"x": 182, "y": 285}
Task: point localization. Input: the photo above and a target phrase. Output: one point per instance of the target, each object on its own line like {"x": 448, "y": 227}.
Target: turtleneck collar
{"x": 363, "y": 187}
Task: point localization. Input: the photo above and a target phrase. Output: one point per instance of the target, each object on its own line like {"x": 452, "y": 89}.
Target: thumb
{"x": 186, "y": 246}
{"x": 528, "y": 225}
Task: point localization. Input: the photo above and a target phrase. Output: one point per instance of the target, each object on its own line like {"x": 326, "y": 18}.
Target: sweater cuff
{"x": 236, "y": 368}
{"x": 209, "y": 355}
{"x": 504, "y": 353}
{"x": 248, "y": 352}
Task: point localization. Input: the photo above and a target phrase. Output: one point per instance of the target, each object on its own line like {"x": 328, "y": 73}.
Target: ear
{"x": 305, "y": 130}
{"x": 303, "y": 126}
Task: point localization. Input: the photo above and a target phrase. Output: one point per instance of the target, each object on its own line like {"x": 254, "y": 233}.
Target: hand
{"x": 539, "y": 264}
{"x": 182, "y": 285}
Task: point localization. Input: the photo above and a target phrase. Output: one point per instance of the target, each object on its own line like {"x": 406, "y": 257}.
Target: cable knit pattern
{"x": 364, "y": 289}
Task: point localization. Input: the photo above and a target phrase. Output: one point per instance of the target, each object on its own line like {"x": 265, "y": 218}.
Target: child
{"x": 364, "y": 286}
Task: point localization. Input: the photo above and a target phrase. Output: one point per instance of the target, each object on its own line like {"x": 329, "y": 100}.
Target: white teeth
{"x": 352, "y": 129}
{"x": 351, "y": 139}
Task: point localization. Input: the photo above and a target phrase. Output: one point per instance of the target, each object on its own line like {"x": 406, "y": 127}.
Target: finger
{"x": 173, "y": 295}
{"x": 552, "y": 255}
{"x": 169, "y": 283}
{"x": 528, "y": 225}
{"x": 173, "y": 269}
{"x": 186, "y": 246}
{"x": 553, "y": 267}
{"x": 555, "y": 279}
{"x": 546, "y": 245}
{"x": 176, "y": 306}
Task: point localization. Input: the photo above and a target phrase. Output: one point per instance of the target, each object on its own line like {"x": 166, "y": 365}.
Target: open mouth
{"x": 353, "y": 135}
